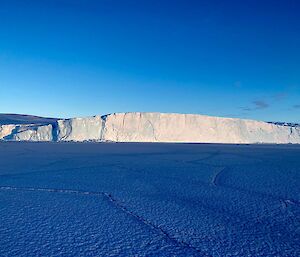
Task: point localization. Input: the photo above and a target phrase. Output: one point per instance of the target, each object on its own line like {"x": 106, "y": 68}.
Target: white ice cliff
{"x": 80, "y": 129}
{"x": 155, "y": 127}
{"x": 26, "y": 132}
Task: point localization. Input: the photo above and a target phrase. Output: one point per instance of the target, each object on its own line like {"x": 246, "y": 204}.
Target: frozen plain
{"x": 130, "y": 199}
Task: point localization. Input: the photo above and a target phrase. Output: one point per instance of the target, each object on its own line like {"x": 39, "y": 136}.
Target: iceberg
{"x": 80, "y": 129}
{"x": 26, "y": 132}
{"x": 155, "y": 127}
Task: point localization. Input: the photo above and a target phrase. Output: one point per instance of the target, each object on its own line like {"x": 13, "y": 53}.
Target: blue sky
{"x": 64, "y": 58}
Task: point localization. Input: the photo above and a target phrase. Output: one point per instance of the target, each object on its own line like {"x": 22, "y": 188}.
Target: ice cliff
{"x": 26, "y": 132}
{"x": 80, "y": 129}
{"x": 154, "y": 127}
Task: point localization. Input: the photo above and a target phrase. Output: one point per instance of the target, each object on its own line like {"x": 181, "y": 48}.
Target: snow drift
{"x": 154, "y": 127}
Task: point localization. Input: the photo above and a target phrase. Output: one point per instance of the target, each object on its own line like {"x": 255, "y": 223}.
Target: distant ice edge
{"x": 155, "y": 127}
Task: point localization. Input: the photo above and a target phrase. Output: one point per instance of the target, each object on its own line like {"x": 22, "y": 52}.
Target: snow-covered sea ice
{"x": 128, "y": 199}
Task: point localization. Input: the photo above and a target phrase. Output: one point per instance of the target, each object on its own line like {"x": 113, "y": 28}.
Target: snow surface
{"x": 155, "y": 127}
{"x": 9, "y": 118}
{"x": 70, "y": 199}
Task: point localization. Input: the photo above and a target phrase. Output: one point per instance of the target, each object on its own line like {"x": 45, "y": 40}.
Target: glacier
{"x": 79, "y": 129}
{"x": 154, "y": 127}
{"x": 26, "y": 132}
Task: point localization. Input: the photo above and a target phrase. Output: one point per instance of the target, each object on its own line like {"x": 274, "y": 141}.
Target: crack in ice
{"x": 216, "y": 177}
{"x": 116, "y": 203}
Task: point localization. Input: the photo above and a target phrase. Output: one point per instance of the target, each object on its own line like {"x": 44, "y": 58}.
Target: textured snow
{"x": 156, "y": 127}
{"x": 9, "y": 118}
{"x": 149, "y": 199}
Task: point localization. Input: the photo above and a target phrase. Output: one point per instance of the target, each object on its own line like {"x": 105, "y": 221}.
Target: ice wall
{"x": 80, "y": 129}
{"x": 26, "y": 132}
{"x": 6, "y": 130}
{"x": 166, "y": 127}
{"x": 155, "y": 127}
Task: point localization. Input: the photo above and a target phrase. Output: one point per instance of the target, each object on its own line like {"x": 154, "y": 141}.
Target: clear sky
{"x": 66, "y": 58}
